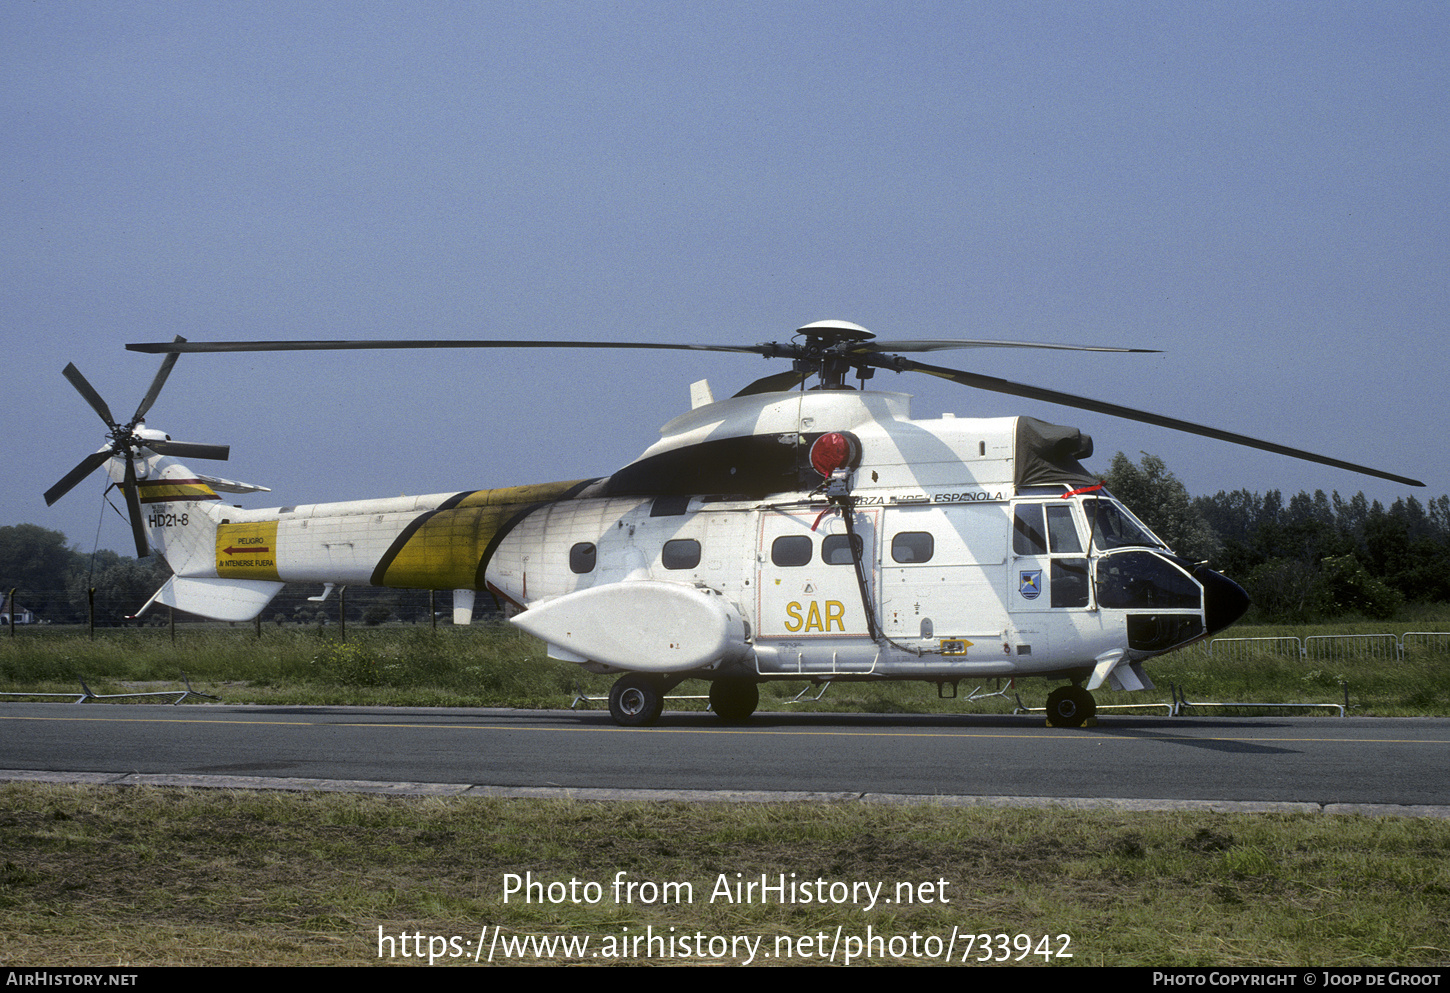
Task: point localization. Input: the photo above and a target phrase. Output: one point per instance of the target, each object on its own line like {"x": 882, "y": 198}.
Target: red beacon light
{"x": 833, "y": 451}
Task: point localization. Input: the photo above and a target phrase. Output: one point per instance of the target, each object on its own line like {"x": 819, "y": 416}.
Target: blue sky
{"x": 1258, "y": 190}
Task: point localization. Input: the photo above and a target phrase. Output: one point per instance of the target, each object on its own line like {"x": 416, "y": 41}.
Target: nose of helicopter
{"x": 1224, "y": 601}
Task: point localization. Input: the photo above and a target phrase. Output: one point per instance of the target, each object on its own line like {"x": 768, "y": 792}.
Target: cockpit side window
{"x": 1142, "y": 580}
{"x": 1040, "y": 530}
{"x": 1114, "y": 527}
{"x": 1028, "y": 533}
{"x": 1069, "y": 582}
{"x": 1061, "y": 529}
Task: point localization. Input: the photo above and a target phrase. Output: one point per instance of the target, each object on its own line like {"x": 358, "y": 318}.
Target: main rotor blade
{"x": 190, "y": 450}
{"x": 942, "y": 344}
{"x": 85, "y": 389}
{"x": 181, "y": 345}
{"x": 157, "y": 383}
{"x": 996, "y": 385}
{"x": 87, "y": 465}
{"x": 133, "y": 507}
{"x": 778, "y": 383}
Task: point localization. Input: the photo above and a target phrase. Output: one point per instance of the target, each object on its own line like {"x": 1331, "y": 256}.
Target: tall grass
{"x": 497, "y": 665}
{"x": 475, "y": 666}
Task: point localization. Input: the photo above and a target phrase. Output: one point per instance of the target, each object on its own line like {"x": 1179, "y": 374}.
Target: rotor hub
{"x": 830, "y": 333}
{"x": 825, "y": 351}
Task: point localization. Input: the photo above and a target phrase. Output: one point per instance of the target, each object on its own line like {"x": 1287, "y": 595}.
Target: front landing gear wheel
{"x": 1070, "y": 707}
{"x": 636, "y": 701}
{"x": 733, "y": 699}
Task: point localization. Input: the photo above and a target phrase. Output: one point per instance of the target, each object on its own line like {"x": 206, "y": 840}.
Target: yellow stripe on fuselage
{"x": 445, "y": 550}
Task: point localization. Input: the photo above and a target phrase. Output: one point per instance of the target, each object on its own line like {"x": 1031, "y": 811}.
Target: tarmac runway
{"x": 1384, "y": 765}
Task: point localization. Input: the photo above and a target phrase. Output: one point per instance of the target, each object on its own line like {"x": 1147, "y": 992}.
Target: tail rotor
{"x": 126, "y": 441}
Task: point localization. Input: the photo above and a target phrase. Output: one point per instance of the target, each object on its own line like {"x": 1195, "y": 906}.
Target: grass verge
{"x": 143, "y": 876}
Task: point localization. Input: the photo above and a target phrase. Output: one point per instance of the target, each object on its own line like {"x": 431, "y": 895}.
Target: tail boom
{"x": 229, "y": 563}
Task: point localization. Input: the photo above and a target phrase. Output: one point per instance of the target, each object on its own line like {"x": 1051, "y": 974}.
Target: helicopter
{"x": 782, "y": 533}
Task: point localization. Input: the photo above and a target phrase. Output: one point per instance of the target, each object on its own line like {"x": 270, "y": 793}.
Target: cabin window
{"x": 582, "y": 557}
{"x": 1027, "y": 530}
{"x": 913, "y": 546}
{"x": 836, "y": 549}
{"x": 791, "y": 549}
{"x": 681, "y": 553}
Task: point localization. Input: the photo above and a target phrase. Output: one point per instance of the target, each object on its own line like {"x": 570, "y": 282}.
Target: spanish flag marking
{"x": 247, "y": 550}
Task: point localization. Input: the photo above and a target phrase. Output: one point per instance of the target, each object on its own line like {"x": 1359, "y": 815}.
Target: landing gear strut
{"x": 734, "y": 699}
{"x": 1070, "y": 707}
{"x": 636, "y": 700}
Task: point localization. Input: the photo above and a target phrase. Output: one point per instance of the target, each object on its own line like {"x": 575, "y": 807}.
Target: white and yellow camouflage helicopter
{"x": 784, "y": 533}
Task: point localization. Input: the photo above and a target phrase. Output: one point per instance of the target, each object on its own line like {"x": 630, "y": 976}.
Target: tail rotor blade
{"x": 88, "y": 465}
{"x": 133, "y": 507}
{"x": 85, "y": 389}
{"x": 189, "y": 450}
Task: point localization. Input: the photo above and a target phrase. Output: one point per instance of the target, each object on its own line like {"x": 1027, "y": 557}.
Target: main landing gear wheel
{"x": 636, "y": 701}
{"x": 734, "y": 699}
{"x": 1070, "y": 707}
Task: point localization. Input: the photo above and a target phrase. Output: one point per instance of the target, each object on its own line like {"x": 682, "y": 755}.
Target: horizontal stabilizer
{"x": 218, "y": 599}
{"x": 231, "y": 485}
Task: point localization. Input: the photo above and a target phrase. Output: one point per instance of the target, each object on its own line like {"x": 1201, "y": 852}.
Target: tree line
{"x": 52, "y": 581}
{"x": 1312, "y": 557}
{"x": 1308, "y": 558}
